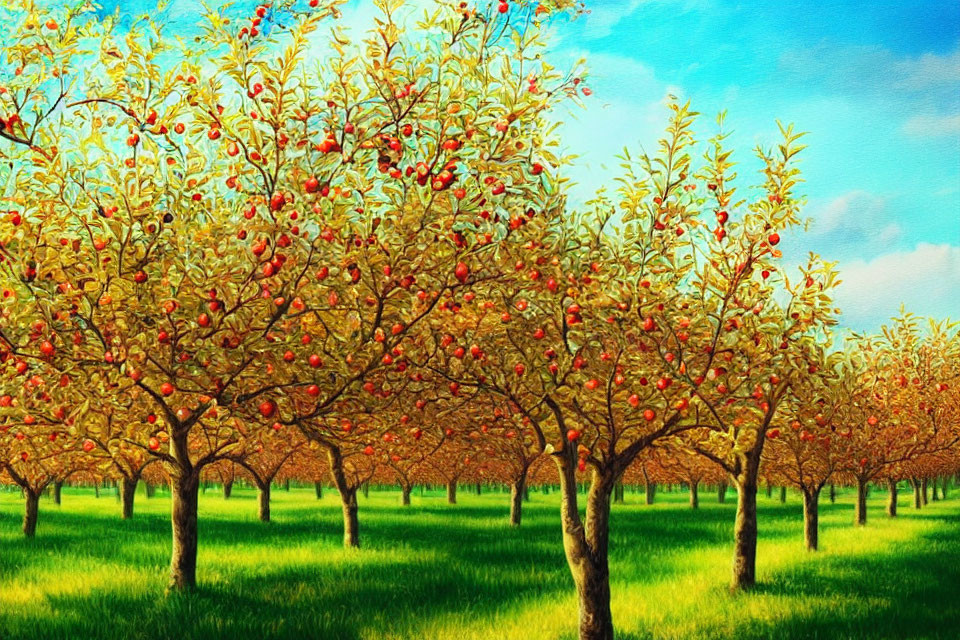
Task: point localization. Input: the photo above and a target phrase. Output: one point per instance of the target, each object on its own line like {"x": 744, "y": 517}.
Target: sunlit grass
{"x": 461, "y": 573}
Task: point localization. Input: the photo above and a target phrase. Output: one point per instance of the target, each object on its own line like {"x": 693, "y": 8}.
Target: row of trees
{"x": 243, "y": 257}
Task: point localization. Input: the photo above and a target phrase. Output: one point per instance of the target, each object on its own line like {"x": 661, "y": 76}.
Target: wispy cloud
{"x": 873, "y": 68}
{"x": 927, "y": 126}
{"x": 857, "y": 221}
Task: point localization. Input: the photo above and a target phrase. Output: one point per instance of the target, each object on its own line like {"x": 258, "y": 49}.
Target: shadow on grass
{"x": 908, "y": 591}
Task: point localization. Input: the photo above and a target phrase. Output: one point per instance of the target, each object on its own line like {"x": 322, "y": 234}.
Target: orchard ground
{"x": 443, "y": 571}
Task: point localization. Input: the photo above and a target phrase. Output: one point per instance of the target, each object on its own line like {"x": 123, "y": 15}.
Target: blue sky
{"x": 876, "y": 85}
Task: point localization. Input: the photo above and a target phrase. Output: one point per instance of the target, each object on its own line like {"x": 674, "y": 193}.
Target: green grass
{"x": 434, "y": 571}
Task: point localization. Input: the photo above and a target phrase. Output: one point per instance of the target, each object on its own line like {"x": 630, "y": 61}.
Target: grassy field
{"x": 459, "y": 572}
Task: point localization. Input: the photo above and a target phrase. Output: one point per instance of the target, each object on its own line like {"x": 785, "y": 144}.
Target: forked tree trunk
{"x": 183, "y": 562}
{"x": 227, "y": 489}
{"x": 129, "y": 489}
{"x": 516, "y": 502}
{"x": 722, "y": 493}
{"x": 263, "y": 495}
{"x": 811, "y": 518}
{"x": 318, "y": 488}
{"x": 351, "y": 521}
{"x": 892, "y": 498}
{"x": 694, "y": 495}
{"x": 586, "y": 548}
{"x": 405, "y": 494}
{"x": 452, "y": 492}
{"x": 30, "y": 512}
{"x": 861, "y": 507}
{"x": 745, "y": 532}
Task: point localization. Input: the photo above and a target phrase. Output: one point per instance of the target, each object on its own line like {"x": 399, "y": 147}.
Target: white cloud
{"x": 873, "y": 68}
{"x": 923, "y": 90}
{"x": 926, "y": 280}
{"x": 925, "y": 126}
{"x": 929, "y": 70}
{"x": 856, "y": 219}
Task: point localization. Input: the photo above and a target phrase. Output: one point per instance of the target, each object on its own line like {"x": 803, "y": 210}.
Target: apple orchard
{"x": 244, "y": 259}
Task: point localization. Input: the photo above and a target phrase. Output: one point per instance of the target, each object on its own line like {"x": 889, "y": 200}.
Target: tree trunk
{"x": 183, "y": 562}
{"x": 318, "y": 488}
{"x": 694, "y": 495}
{"x": 452, "y": 492}
{"x": 286, "y": 484}
{"x": 651, "y": 492}
{"x": 478, "y": 488}
{"x": 366, "y": 489}
{"x": 586, "y": 548}
{"x": 57, "y": 492}
{"x": 722, "y": 493}
{"x": 783, "y": 495}
{"x": 149, "y": 489}
{"x": 944, "y": 483}
{"x": 933, "y": 492}
{"x": 917, "y": 501}
{"x": 227, "y": 489}
{"x": 351, "y": 521}
{"x": 263, "y": 493}
{"x": 833, "y": 493}
{"x": 129, "y": 491}
{"x": 516, "y": 502}
{"x": 348, "y": 498}
{"x": 892, "y": 498}
{"x": 923, "y": 491}
{"x": 96, "y": 489}
{"x": 405, "y": 494}
{"x": 526, "y": 493}
{"x": 861, "y": 508}
{"x": 30, "y": 512}
{"x": 811, "y": 518}
{"x": 745, "y": 533}
{"x": 769, "y": 490}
